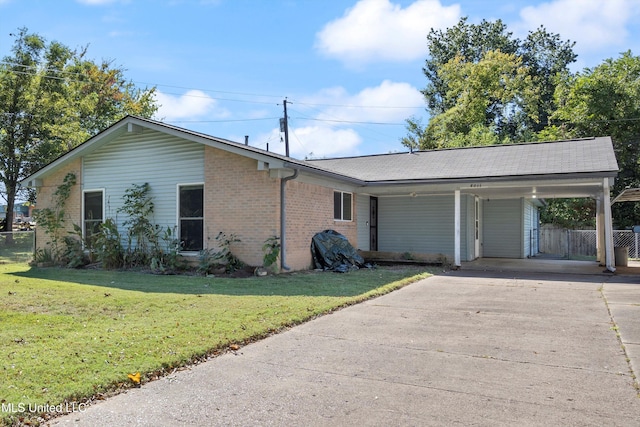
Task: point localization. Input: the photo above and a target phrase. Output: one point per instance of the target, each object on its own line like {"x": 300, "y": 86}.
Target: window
{"x": 191, "y": 217}
{"x": 342, "y": 206}
{"x": 93, "y": 207}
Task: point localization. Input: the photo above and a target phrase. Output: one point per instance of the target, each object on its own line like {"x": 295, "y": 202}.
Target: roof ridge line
{"x": 590, "y": 138}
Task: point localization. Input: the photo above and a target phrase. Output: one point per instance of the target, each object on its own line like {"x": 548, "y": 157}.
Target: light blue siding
{"x": 502, "y": 235}
{"x": 530, "y": 229}
{"x": 164, "y": 161}
{"x": 421, "y": 224}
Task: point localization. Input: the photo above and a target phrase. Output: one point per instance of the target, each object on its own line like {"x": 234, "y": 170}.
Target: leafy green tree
{"x": 575, "y": 214}
{"x": 52, "y": 98}
{"x": 467, "y": 41}
{"x": 486, "y": 97}
{"x": 605, "y": 100}
{"x": 520, "y": 78}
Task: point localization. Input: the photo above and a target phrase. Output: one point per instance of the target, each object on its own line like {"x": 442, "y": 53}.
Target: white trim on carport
{"x": 608, "y": 226}
{"x": 456, "y": 213}
{"x": 586, "y": 188}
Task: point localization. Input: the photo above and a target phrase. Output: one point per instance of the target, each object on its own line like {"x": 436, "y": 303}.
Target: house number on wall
{"x": 476, "y": 185}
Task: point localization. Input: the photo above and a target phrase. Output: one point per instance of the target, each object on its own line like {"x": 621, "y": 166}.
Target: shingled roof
{"x": 579, "y": 156}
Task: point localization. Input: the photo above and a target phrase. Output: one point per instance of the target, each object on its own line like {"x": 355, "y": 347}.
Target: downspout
{"x": 283, "y": 220}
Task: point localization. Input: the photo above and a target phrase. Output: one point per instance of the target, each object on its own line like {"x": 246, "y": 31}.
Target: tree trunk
{"x": 8, "y": 224}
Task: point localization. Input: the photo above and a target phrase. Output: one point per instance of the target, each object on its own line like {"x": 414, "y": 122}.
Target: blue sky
{"x": 351, "y": 71}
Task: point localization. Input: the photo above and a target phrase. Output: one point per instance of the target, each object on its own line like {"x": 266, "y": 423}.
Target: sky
{"x": 350, "y": 71}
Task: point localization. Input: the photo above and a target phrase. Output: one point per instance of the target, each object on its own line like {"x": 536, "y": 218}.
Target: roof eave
{"x": 546, "y": 177}
{"x": 323, "y": 172}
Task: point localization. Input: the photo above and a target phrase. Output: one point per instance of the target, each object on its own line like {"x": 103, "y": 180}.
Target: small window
{"x": 342, "y": 206}
{"x": 191, "y": 217}
{"x": 93, "y": 216}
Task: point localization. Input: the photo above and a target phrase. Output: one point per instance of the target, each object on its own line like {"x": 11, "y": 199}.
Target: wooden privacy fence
{"x": 582, "y": 243}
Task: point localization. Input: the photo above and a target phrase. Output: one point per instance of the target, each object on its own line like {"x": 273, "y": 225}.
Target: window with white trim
{"x": 93, "y": 214}
{"x": 191, "y": 216}
{"x": 342, "y": 206}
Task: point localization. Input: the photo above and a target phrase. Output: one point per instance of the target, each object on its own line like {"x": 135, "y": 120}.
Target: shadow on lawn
{"x": 308, "y": 283}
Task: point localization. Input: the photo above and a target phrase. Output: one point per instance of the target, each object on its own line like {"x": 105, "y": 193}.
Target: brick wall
{"x": 242, "y": 200}
{"x": 73, "y": 207}
{"x": 309, "y": 211}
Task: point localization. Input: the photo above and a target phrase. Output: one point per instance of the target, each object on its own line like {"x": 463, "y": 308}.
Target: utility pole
{"x": 284, "y": 127}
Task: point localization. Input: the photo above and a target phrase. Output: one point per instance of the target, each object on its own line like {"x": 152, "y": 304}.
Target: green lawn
{"x": 16, "y": 246}
{"x": 68, "y": 335}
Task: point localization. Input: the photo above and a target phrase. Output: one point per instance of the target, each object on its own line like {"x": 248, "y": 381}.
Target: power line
{"x": 197, "y": 89}
{"x": 206, "y": 96}
{"x": 391, "y": 107}
{"x": 223, "y": 121}
{"x": 351, "y": 121}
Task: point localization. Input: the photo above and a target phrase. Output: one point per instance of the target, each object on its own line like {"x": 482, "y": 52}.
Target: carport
{"x": 432, "y": 202}
{"x": 558, "y": 187}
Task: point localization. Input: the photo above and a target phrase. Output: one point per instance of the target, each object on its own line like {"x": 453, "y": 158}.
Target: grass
{"x": 16, "y": 246}
{"x": 71, "y": 335}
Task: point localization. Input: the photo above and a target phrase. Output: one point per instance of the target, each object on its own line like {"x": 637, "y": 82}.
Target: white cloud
{"x": 322, "y": 141}
{"x": 317, "y": 141}
{"x": 593, "y": 24}
{"x": 388, "y": 102}
{"x": 378, "y": 30}
{"x": 191, "y": 105}
{"x": 330, "y": 123}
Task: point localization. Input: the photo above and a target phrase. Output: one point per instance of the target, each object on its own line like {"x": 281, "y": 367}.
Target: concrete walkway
{"x": 480, "y": 348}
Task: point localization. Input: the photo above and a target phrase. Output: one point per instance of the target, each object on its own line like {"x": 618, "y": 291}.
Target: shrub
{"x": 211, "y": 259}
{"x": 107, "y": 245}
{"x": 141, "y": 233}
{"x": 271, "y": 249}
{"x": 165, "y": 258}
{"x": 52, "y": 219}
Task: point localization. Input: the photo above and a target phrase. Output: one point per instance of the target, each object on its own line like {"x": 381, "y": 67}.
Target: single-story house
{"x": 463, "y": 203}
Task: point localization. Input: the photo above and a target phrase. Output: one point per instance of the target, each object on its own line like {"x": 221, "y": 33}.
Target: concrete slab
{"x": 463, "y": 348}
{"x": 550, "y": 265}
{"x": 627, "y": 317}
{"x": 633, "y": 353}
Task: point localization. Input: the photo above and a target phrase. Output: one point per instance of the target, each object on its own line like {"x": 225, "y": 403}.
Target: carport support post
{"x": 608, "y": 227}
{"x": 456, "y": 215}
{"x": 599, "y": 231}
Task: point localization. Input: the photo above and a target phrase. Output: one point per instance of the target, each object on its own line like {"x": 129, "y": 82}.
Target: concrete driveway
{"x": 475, "y": 348}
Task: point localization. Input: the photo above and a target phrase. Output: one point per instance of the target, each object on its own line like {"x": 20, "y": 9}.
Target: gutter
{"x": 493, "y": 179}
{"x": 283, "y": 219}
{"x": 325, "y": 173}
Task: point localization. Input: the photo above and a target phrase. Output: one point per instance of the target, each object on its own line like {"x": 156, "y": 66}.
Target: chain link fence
{"x": 17, "y": 246}
{"x": 629, "y": 239}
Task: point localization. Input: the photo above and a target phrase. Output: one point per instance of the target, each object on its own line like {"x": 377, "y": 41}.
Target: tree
{"x": 51, "y": 99}
{"x": 605, "y": 100}
{"x": 534, "y": 65}
{"x": 570, "y": 213}
{"x": 486, "y": 99}
{"x": 467, "y": 41}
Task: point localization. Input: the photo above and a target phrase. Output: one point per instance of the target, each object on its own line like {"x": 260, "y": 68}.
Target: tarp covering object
{"x": 332, "y": 251}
